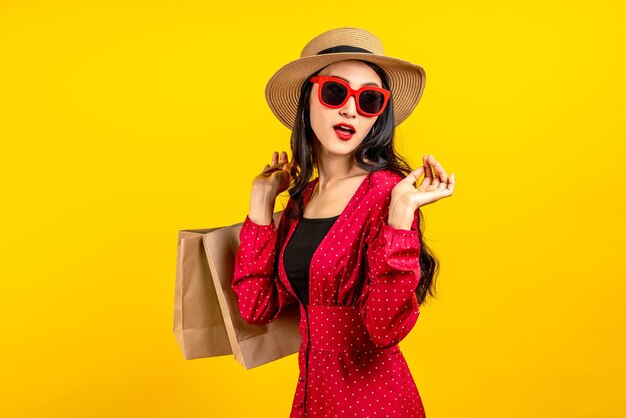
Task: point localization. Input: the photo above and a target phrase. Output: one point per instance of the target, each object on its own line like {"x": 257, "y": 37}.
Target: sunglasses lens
{"x": 371, "y": 101}
{"x": 333, "y": 93}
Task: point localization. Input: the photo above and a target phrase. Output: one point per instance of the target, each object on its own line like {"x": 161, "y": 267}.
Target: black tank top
{"x": 299, "y": 252}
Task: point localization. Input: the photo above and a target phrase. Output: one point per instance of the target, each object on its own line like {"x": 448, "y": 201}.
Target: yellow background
{"x": 122, "y": 122}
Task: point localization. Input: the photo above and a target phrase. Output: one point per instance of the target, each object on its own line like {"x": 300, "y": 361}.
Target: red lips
{"x": 344, "y": 131}
{"x": 346, "y": 126}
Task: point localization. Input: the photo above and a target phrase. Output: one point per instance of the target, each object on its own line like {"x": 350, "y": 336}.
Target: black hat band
{"x": 343, "y": 48}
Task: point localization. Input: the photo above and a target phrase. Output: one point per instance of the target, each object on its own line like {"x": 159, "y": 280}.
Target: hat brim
{"x": 406, "y": 82}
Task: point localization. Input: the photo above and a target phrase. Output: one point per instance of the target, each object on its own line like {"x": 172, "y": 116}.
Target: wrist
{"x": 263, "y": 192}
{"x": 262, "y": 203}
{"x": 401, "y": 216}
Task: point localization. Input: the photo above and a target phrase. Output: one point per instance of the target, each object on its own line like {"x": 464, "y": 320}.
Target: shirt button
{"x": 302, "y": 379}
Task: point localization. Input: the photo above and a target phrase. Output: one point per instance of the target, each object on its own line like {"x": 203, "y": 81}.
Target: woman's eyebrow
{"x": 371, "y": 83}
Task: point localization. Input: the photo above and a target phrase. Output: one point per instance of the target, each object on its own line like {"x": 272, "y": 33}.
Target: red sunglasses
{"x": 334, "y": 92}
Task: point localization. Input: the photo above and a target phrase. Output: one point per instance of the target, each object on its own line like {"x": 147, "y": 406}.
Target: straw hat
{"x": 406, "y": 80}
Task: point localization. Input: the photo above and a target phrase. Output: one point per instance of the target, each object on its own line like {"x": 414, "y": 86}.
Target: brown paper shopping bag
{"x": 251, "y": 344}
{"x": 207, "y": 321}
{"x": 198, "y": 324}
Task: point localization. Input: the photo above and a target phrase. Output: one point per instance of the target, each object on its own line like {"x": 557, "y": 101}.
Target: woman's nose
{"x": 349, "y": 109}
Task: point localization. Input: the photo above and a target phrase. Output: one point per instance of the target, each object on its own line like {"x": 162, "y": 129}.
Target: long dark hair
{"x": 376, "y": 152}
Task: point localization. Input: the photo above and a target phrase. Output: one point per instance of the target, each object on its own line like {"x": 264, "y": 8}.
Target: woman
{"x": 347, "y": 247}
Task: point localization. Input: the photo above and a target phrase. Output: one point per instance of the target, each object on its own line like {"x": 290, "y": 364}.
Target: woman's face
{"x": 323, "y": 118}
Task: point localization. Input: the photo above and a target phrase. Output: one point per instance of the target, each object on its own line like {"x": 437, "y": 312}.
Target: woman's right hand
{"x": 275, "y": 177}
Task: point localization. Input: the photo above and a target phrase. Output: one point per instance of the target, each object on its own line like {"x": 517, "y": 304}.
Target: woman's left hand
{"x": 406, "y": 198}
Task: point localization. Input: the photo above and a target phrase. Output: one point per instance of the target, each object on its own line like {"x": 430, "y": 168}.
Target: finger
{"x": 274, "y": 157}
{"x": 441, "y": 172}
{"x": 413, "y": 176}
{"x": 283, "y": 157}
{"x": 433, "y": 163}
{"x": 268, "y": 169}
{"x": 447, "y": 188}
{"x": 428, "y": 176}
{"x": 271, "y": 170}
{"x": 417, "y": 186}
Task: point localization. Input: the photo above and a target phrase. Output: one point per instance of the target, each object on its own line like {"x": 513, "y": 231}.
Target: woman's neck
{"x": 333, "y": 168}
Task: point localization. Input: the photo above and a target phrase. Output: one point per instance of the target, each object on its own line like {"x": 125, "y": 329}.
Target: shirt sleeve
{"x": 389, "y": 304}
{"x": 260, "y": 293}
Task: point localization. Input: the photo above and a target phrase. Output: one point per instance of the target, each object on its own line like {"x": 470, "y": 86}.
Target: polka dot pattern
{"x": 362, "y": 303}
